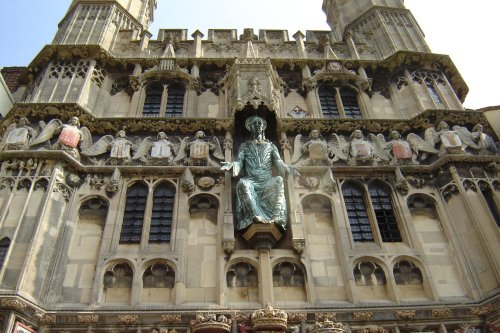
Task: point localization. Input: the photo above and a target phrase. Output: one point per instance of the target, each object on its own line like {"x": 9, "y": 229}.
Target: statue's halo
{"x": 250, "y": 120}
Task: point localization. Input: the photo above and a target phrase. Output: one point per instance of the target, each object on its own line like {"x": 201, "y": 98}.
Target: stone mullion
{"x": 98, "y": 11}
{"x": 163, "y": 103}
{"x": 399, "y": 33}
{"x": 105, "y": 27}
{"x": 146, "y": 220}
{"x": 396, "y": 100}
{"x": 73, "y": 19}
{"x": 87, "y": 81}
{"x": 439, "y": 92}
{"x": 411, "y": 85}
{"x": 77, "y": 39}
{"x": 38, "y": 89}
{"x": 377, "y": 237}
{"x": 484, "y": 235}
{"x": 266, "y": 292}
{"x": 340, "y": 105}
{"x": 351, "y": 45}
{"x": 391, "y": 43}
{"x": 458, "y": 103}
{"x": 180, "y": 243}
{"x": 137, "y": 95}
{"x": 420, "y": 33}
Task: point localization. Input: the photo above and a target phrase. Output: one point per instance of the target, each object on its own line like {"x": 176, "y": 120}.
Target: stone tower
{"x": 121, "y": 197}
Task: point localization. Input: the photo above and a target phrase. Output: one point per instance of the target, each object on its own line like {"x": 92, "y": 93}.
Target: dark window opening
{"x": 327, "y": 95}
{"x": 384, "y": 214}
{"x": 133, "y": 216}
{"x": 357, "y": 214}
{"x": 350, "y": 103}
{"x": 175, "y": 100}
{"x": 434, "y": 94}
{"x": 161, "y": 217}
{"x": 152, "y": 103}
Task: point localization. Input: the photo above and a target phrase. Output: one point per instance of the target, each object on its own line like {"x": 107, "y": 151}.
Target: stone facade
{"x": 115, "y": 213}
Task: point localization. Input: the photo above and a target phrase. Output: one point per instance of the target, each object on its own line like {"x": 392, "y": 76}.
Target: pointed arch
{"x": 380, "y": 195}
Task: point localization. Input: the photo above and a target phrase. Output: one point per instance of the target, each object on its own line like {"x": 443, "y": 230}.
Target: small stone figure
{"x": 70, "y": 136}
{"x": 119, "y": 148}
{"x": 201, "y": 151}
{"x": 18, "y": 136}
{"x": 260, "y": 194}
{"x": 477, "y": 141}
{"x": 360, "y": 150}
{"x": 156, "y": 151}
{"x": 312, "y": 150}
{"x": 449, "y": 141}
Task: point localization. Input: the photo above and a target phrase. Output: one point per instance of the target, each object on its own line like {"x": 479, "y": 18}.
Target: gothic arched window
{"x": 152, "y": 103}
{"x": 133, "y": 216}
{"x": 357, "y": 213}
{"x": 338, "y": 102}
{"x": 384, "y": 213}
{"x": 161, "y": 217}
{"x": 175, "y": 100}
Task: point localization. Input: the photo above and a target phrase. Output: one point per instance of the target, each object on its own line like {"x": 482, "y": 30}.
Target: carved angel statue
{"x": 163, "y": 149}
{"x": 118, "y": 147}
{"x": 311, "y": 150}
{"x": 477, "y": 141}
{"x": 18, "y": 135}
{"x": 70, "y": 136}
{"x": 449, "y": 141}
{"x": 201, "y": 151}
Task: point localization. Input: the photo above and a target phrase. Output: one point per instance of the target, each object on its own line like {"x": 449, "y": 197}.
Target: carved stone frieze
{"x": 170, "y": 318}
{"x": 324, "y": 316}
{"x": 14, "y": 304}
{"x": 363, "y": 315}
{"x": 296, "y": 317}
{"x": 45, "y": 319}
{"x": 128, "y": 319}
{"x": 373, "y": 329}
{"x": 441, "y": 313}
{"x": 482, "y": 310}
{"x": 405, "y": 314}
{"x": 88, "y": 318}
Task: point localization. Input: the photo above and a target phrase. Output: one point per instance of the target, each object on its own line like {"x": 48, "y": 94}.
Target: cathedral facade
{"x": 322, "y": 182}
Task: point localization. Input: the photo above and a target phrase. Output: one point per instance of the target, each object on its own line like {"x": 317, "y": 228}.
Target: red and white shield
{"x": 402, "y": 150}
{"x": 70, "y": 136}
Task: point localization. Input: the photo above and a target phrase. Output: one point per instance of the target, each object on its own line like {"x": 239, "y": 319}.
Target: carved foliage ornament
{"x": 405, "y": 314}
{"x": 296, "y": 317}
{"x": 324, "y": 316}
{"x": 170, "y": 318}
{"x": 441, "y": 313}
{"x": 88, "y": 318}
{"x": 45, "y": 319}
{"x": 128, "y": 319}
{"x": 13, "y": 304}
{"x": 366, "y": 315}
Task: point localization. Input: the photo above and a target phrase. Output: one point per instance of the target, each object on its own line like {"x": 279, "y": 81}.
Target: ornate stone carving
{"x": 128, "y": 319}
{"x": 482, "y": 310}
{"x": 242, "y": 318}
{"x": 88, "y": 318}
{"x": 365, "y": 315}
{"x": 114, "y": 183}
{"x": 449, "y": 190}
{"x": 228, "y": 246}
{"x": 187, "y": 182}
{"x": 469, "y": 185}
{"x": 45, "y": 319}
{"x": 269, "y": 319}
{"x": 326, "y": 316}
{"x": 65, "y": 190}
{"x": 375, "y": 329}
{"x": 170, "y": 318}
{"x": 201, "y": 151}
{"x": 95, "y": 182}
{"x": 228, "y": 144}
{"x": 405, "y": 314}
{"x": 206, "y": 183}
{"x": 310, "y": 183}
{"x": 298, "y": 245}
{"x": 74, "y": 180}
{"x": 441, "y": 313}
{"x": 211, "y": 323}
{"x": 327, "y": 326}
{"x": 14, "y": 304}
{"x": 294, "y": 317}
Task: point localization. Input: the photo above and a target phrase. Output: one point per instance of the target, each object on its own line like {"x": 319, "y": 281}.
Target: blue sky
{"x": 468, "y": 33}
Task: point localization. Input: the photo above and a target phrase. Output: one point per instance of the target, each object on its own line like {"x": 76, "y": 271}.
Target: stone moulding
{"x": 269, "y": 319}
{"x": 128, "y": 319}
{"x": 365, "y": 315}
{"x": 211, "y": 323}
{"x": 14, "y": 304}
{"x": 441, "y": 313}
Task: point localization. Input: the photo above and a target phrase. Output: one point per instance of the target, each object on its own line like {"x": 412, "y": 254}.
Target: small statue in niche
{"x": 161, "y": 150}
{"x": 477, "y": 141}
{"x": 18, "y": 136}
{"x": 70, "y": 136}
{"x": 260, "y": 194}
{"x": 202, "y": 151}
{"x": 312, "y": 150}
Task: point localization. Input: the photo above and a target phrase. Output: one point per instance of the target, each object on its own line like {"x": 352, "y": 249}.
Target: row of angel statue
{"x": 375, "y": 149}
{"x": 200, "y": 150}
{"x": 203, "y": 150}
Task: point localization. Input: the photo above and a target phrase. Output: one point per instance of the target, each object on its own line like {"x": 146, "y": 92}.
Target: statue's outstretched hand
{"x": 227, "y": 166}
{"x": 292, "y": 171}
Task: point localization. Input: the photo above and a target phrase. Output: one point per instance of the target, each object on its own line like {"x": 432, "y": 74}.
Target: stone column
{"x": 265, "y": 277}
{"x": 299, "y": 41}
{"x": 197, "y": 50}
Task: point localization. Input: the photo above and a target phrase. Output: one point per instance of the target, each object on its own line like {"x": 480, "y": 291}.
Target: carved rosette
{"x": 211, "y": 323}
{"x": 327, "y": 326}
{"x": 269, "y": 319}
{"x": 405, "y": 314}
{"x": 295, "y": 318}
{"x": 128, "y": 319}
{"x": 365, "y": 315}
{"x": 441, "y": 313}
{"x": 88, "y": 318}
{"x": 13, "y": 304}
{"x": 170, "y": 318}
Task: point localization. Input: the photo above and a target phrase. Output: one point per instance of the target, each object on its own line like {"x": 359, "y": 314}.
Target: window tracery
{"x": 241, "y": 275}
{"x": 368, "y": 273}
{"x": 158, "y": 275}
{"x": 287, "y": 274}
{"x": 338, "y": 102}
{"x": 405, "y": 273}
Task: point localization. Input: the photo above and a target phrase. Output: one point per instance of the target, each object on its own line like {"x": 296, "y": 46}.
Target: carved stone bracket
{"x": 228, "y": 246}
{"x": 298, "y": 245}
{"x": 187, "y": 182}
